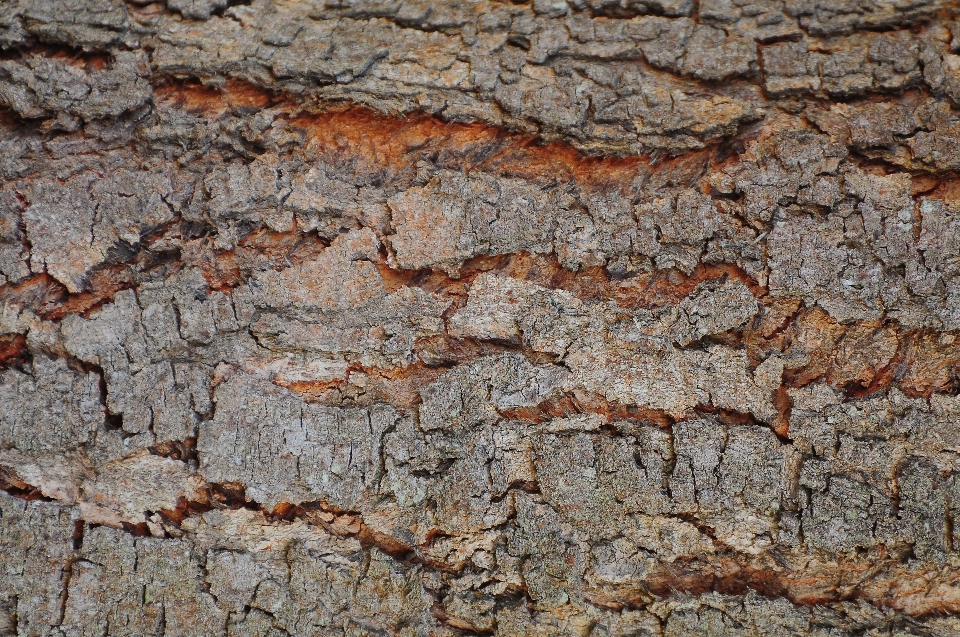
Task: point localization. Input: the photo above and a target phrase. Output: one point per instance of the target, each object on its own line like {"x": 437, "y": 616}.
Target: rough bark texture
{"x": 396, "y": 317}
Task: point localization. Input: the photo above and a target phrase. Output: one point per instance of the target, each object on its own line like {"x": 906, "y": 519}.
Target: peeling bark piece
{"x": 250, "y": 192}
{"x": 337, "y": 311}
{"x": 197, "y": 9}
{"x": 712, "y": 56}
{"x": 304, "y": 579}
{"x": 138, "y": 583}
{"x": 472, "y": 395}
{"x": 90, "y": 25}
{"x": 343, "y": 278}
{"x": 713, "y": 310}
{"x": 39, "y": 552}
{"x": 38, "y": 87}
{"x": 823, "y": 18}
{"x": 454, "y": 218}
{"x": 121, "y": 340}
{"x": 134, "y": 488}
{"x": 48, "y": 419}
{"x": 624, "y": 360}
{"x": 285, "y": 450}
{"x": 13, "y": 256}
{"x": 849, "y": 66}
{"x": 77, "y": 225}
{"x": 52, "y": 410}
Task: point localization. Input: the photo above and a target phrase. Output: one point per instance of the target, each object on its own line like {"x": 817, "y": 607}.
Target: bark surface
{"x": 396, "y": 317}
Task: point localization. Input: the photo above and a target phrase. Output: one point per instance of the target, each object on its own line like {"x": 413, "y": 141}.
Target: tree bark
{"x": 396, "y": 317}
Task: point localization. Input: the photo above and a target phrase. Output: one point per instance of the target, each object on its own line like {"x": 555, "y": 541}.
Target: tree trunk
{"x": 397, "y": 317}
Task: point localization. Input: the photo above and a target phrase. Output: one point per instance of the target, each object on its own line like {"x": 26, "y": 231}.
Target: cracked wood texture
{"x": 397, "y": 317}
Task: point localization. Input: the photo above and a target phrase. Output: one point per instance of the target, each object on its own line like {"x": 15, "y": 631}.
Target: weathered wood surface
{"x": 571, "y": 317}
